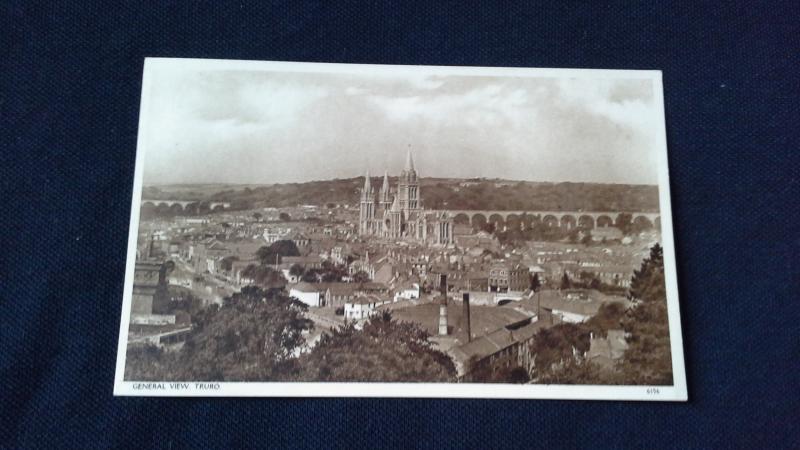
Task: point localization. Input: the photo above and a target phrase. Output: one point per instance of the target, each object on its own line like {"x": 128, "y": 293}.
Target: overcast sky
{"x": 274, "y": 127}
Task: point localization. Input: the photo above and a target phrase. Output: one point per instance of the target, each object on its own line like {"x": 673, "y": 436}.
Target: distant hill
{"x": 437, "y": 193}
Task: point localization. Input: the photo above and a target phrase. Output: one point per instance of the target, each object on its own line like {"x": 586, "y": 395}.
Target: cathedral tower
{"x": 367, "y": 213}
{"x": 384, "y": 197}
{"x": 408, "y": 187}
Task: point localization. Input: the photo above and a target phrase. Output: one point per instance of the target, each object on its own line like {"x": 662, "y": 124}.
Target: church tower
{"x": 408, "y": 187}
{"x": 367, "y": 214}
{"x": 384, "y": 197}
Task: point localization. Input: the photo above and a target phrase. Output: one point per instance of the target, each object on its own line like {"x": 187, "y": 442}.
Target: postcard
{"x": 345, "y": 230}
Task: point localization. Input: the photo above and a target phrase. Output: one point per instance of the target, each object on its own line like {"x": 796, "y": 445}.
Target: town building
{"x": 309, "y": 293}
{"x": 149, "y": 288}
{"x": 363, "y": 307}
{"x": 574, "y": 305}
{"x": 502, "y": 348}
{"x": 409, "y": 291}
{"x": 505, "y": 276}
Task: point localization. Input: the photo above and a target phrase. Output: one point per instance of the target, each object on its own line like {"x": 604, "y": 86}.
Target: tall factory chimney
{"x": 467, "y": 327}
{"x": 443, "y": 305}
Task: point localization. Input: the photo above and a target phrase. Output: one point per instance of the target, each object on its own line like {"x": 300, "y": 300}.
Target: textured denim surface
{"x": 69, "y": 103}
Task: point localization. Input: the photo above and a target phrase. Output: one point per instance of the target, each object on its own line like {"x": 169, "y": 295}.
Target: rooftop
{"x": 483, "y": 319}
{"x": 495, "y": 341}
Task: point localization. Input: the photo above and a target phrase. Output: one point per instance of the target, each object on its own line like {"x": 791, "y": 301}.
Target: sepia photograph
{"x": 309, "y": 229}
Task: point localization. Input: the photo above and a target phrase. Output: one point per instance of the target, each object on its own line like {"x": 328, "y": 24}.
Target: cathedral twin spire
{"x": 405, "y": 197}
{"x": 385, "y": 188}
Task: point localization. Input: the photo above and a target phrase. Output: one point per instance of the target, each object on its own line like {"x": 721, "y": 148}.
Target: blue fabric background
{"x": 69, "y": 103}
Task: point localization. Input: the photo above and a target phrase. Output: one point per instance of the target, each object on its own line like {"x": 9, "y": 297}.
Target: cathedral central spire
{"x": 409, "y": 162}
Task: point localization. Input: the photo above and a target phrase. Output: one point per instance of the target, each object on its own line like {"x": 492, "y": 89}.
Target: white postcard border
{"x": 676, "y": 392}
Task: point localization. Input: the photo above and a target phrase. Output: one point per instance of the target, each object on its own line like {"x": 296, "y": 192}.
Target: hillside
{"x": 437, "y": 193}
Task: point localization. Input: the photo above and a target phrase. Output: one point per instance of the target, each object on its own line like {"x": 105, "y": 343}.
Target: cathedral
{"x": 398, "y": 213}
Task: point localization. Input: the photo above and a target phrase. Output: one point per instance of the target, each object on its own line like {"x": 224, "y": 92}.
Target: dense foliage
{"x": 384, "y": 350}
{"x": 252, "y": 337}
{"x": 273, "y": 253}
{"x": 328, "y": 272}
{"x": 647, "y": 361}
{"x": 437, "y": 193}
{"x": 257, "y": 335}
{"x": 264, "y": 276}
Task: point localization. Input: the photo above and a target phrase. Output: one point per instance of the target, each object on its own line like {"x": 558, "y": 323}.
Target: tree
{"x": 284, "y": 217}
{"x": 383, "y": 351}
{"x": 149, "y": 363}
{"x": 227, "y": 263}
{"x": 624, "y": 222}
{"x": 273, "y": 253}
{"x": 257, "y": 216}
{"x": 310, "y": 276}
{"x": 187, "y": 303}
{"x": 264, "y": 276}
{"x": 253, "y": 337}
{"x": 331, "y": 276}
{"x": 360, "y": 277}
{"x": 648, "y": 359}
{"x": 296, "y": 270}
{"x": 535, "y": 282}
{"x": 609, "y": 317}
{"x": 484, "y": 373}
{"x": 647, "y": 283}
{"x": 555, "y": 345}
{"x": 565, "y": 281}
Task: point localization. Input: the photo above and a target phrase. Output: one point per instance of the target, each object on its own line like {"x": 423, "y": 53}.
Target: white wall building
{"x": 408, "y": 293}
{"x": 307, "y": 294}
{"x": 362, "y": 307}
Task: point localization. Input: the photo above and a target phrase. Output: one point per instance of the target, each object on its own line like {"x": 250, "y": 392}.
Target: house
{"x": 309, "y": 293}
{"x": 337, "y": 255}
{"x": 337, "y": 294}
{"x": 615, "y": 275}
{"x": 373, "y": 288}
{"x": 362, "y": 307}
{"x": 407, "y": 292}
{"x": 605, "y": 352}
{"x": 207, "y": 254}
{"x": 384, "y": 272}
{"x": 506, "y": 276}
{"x": 306, "y": 262}
{"x": 503, "y": 347}
{"x": 299, "y": 239}
{"x": 574, "y": 305}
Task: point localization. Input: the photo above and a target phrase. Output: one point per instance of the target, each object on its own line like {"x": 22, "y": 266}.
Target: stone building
{"x": 508, "y": 277}
{"x": 399, "y": 214}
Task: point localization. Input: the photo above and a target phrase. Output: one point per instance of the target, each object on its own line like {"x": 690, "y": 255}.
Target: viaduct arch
{"x": 565, "y": 219}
